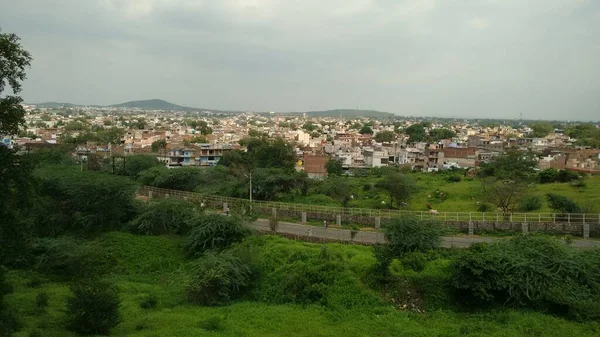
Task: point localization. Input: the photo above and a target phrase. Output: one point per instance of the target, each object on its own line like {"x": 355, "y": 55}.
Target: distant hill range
{"x": 159, "y": 104}
{"x": 349, "y": 113}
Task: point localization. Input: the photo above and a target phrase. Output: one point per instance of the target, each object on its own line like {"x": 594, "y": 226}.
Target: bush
{"x": 41, "y": 300}
{"x": 454, "y": 178}
{"x": 530, "y": 203}
{"x": 213, "y": 323}
{"x": 415, "y": 261}
{"x": 8, "y": 321}
{"x": 149, "y": 302}
{"x": 217, "y": 279}
{"x": 93, "y": 308}
{"x": 485, "y": 207}
{"x": 557, "y": 176}
{"x": 530, "y": 271}
{"x": 134, "y": 164}
{"x": 67, "y": 258}
{"x": 562, "y": 204}
{"x": 81, "y": 202}
{"x": 409, "y": 234}
{"x": 165, "y": 216}
{"x": 213, "y": 232}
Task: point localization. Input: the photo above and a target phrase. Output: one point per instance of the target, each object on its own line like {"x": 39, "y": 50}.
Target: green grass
{"x": 461, "y": 196}
{"x": 155, "y": 265}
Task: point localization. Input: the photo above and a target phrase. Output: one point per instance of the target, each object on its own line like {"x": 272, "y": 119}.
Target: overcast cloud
{"x": 463, "y": 58}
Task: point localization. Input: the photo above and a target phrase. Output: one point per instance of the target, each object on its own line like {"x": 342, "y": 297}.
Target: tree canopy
{"x": 385, "y": 136}
{"x": 416, "y": 133}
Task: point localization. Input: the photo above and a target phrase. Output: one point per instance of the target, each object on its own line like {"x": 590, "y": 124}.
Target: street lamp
{"x": 249, "y": 176}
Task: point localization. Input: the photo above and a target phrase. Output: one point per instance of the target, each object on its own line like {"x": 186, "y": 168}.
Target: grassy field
{"x": 155, "y": 265}
{"x": 460, "y": 196}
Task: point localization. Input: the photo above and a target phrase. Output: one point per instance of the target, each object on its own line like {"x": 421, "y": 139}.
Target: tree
{"x": 399, "y": 186}
{"x": 94, "y": 307}
{"x": 563, "y": 204}
{"x": 408, "y": 234}
{"x": 160, "y": 144}
{"x": 198, "y": 139}
{"x": 366, "y": 130}
{"x": 416, "y": 133}
{"x": 385, "y": 136}
{"x": 213, "y": 232}
{"x": 334, "y": 167}
{"x": 217, "y": 279}
{"x": 309, "y": 126}
{"x": 512, "y": 165}
{"x": 505, "y": 194}
{"x": 541, "y": 129}
{"x": 132, "y": 165}
{"x": 337, "y": 188}
{"x": 15, "y": 182}
{"x": 438, "y": 134}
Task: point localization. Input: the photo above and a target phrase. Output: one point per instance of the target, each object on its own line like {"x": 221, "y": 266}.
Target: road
{"x": 373, "y": 237}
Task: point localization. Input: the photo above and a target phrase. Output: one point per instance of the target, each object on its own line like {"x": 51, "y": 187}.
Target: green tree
{"x": 165, "y": 216}
{"x": 408, "y": 234}
{"x": 132, "y": 165}
{"x": 366, "y": 130}
{"x": 334, "y": 167}
{"x": 337, "y": 188}
{"x": 309, "y": 126}
{"x": 415, "y": 132}
{"x": 217, "y": 279}
{"x": 213, "y": 232}
{"x": 399, "y": 186}
{"x": 94, "y": 307}
{"x": 15, "y": 182}
{"x": 438, "y": 134}
{"x": 158, "y": 145}
{"x": 512, "y": 165}
{"x": 562, "y": 204}
{"x": 385, "y": 136}
{"x": 541, "y": 129}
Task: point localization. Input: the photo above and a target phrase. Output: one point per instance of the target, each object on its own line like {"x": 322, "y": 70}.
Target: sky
{"x": 447, "y": 58}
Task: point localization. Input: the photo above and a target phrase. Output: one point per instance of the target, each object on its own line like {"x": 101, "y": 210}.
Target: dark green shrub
{"x": 415, "y": 261}
{"x": 67, "y": 258}
{"x": 94, "y": 307}
{"x": 36, "y": 333}
{"x": 485, "y": 207}
{"x": 578, "y": 183}
{"x": 149, "y": 302}
{"x": 548, "y": 176}
{"x": 535, "y": 272}
{"x": 8, "y": 321}
{"x": 213, "y": 323}
{"x": 165, "y": 216}
{"x": 213, "y": 232}
{"x": 454, "y": 178}
{"x": 530, "y": 203}
{"x": 132, "y": 165}
{"x": 562, "y": 204}
{"x": 216, "y": 279}
{"x": 41, "y": 300}
{"x": 409, "y": 234}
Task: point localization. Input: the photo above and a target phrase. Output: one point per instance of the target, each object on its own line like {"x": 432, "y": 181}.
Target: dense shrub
{"x": 8, "y": 322}
{"x": 216, "y": 279}
{"x": 132, "y": 165}
{"x": 94, "y": 307}
{"x": 557, "y": 176}
{"x": 485, "y": 207}
{"x": 149, "y": 302}
{"x": 562, "y": 204}
{"x": 530, "y": 203}
{"x": 409, "y": 234}
{"x": 165, "y": 216}
{"x": 67, "y": 258}
{"x": 41, "y": 300}
{"x": 81, "y": 202}
{"x": 534, "y": 272}
{"x": 213, "y": 232}
{"x": 454, "y": 178}
{"x": 414, "y": 261}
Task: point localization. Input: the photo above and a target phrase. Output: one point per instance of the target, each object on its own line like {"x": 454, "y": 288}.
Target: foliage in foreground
{"x": 216, "y": 279}
{"x": 94, "y": 307}
{"x": 534, "y": 272}
{"x": 408, "y": 234}
{"x": 213, "y": 232}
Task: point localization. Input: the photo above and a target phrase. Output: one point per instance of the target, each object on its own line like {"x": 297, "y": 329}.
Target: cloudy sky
{"x": 463, "y": 58}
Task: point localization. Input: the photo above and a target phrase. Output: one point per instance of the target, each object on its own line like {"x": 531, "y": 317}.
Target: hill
{"x": 349, "y": 113}
{"x": 152, "y": 104}
{"x": 53, "y": 105}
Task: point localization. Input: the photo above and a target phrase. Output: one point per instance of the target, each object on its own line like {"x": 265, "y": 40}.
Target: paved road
{"x": 372, "y": 237}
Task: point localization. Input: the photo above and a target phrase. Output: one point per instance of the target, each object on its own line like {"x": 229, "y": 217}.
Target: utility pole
{"x": 249, "y": 176}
